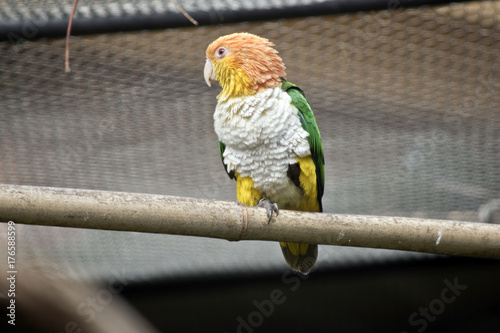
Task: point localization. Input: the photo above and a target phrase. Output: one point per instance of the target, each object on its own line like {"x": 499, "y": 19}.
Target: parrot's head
{"x": 243, "y": 64}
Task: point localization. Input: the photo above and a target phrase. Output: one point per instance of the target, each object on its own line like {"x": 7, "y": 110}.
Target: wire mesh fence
{"x": 407, "y": 102}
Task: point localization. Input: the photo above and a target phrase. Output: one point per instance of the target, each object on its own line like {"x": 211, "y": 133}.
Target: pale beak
{"x": 208, "y": 72}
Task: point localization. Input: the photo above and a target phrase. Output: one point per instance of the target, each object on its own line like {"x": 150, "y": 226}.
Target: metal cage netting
{"x": 407, "y": 102}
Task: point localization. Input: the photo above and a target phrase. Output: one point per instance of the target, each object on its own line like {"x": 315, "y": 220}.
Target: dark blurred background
{"x": 406, "y": 95}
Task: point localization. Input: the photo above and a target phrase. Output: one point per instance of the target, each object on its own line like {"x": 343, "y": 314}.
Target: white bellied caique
{"x": 269, "y": 141}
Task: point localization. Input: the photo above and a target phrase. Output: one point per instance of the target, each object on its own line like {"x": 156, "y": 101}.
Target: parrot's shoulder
{"x": 285, "y": 85}
{"x": 292, "y": 90}
{"x": 306, "y": 114}
{"x": 298, "y": 98}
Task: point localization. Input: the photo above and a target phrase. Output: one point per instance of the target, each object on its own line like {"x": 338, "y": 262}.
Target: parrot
{"x": 269, "y": 141}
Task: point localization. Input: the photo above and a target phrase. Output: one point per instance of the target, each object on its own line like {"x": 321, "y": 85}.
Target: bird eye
{"x": 221, "y": 52}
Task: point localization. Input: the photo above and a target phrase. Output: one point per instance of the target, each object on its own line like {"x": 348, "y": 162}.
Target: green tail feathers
{"x": 301, "y": 257}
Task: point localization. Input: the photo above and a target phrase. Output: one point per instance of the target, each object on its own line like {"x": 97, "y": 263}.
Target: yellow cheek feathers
{"x": 234, "y": 81}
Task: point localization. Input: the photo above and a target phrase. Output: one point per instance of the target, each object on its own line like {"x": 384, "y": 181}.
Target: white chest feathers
{"x": 263, "y": 136}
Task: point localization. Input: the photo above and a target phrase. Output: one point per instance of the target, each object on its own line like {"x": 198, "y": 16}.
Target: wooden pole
{"x": 233, "y": 221}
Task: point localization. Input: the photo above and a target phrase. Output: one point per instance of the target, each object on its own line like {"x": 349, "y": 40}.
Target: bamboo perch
{"x": 233, "y": 221}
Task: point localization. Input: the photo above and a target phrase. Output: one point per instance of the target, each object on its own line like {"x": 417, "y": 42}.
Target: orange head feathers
{"x": 243, "y": 64}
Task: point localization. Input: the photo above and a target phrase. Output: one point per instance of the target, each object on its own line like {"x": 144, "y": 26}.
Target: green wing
{"x": 308, "y": 122}
{"x": 222, "y": 147}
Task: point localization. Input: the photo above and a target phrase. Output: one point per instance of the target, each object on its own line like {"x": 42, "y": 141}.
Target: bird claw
{"x": 270, "y": 208}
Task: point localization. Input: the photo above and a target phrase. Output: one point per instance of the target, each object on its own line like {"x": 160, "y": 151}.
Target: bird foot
{"x": 270, "y": 208}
